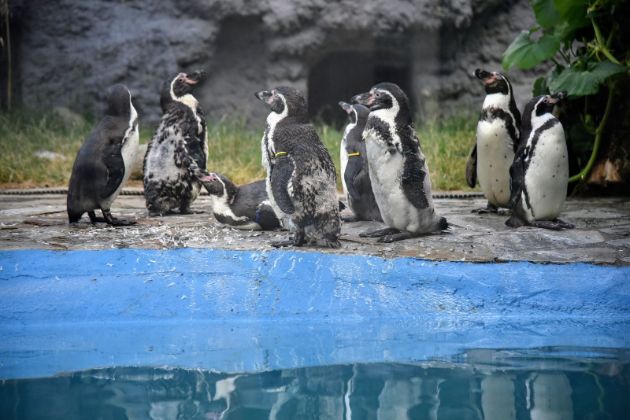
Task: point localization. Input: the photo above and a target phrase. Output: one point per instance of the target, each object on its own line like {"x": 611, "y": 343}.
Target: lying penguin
{"x": 398, "y": 170}
{"x": 104, "y": 162}
{"x": 301, "y": 181}
{"x": 355, "y": 178}
{"x": 242, "y": 207}
{"x": 540, "y": 172}
{"x": 497, "y": 141}
{"x": 176, "y": 155}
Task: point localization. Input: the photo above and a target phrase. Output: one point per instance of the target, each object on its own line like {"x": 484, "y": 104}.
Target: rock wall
{"x": 70, "y": 51}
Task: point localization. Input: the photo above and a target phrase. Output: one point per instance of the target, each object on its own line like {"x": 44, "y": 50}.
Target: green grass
{"x": 234, "y": 149}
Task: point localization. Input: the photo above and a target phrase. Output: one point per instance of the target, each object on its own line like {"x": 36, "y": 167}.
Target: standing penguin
{"x": 497, "y": 141}
{"x": 355, "y": 173}
{"x": 540, "y": 171}
{"x": 301, "y": 179}
{"x": 398, "y": 170}
{"x": 105, "y": 160}
{"x": 177, "y": 153}
{"x": 242, "y": 207}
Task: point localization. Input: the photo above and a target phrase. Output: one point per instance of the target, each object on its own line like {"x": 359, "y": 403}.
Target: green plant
{"x": 588, "y": 46}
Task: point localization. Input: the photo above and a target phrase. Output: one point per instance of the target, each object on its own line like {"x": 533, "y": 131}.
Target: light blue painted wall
{"x": 237, "y": 311}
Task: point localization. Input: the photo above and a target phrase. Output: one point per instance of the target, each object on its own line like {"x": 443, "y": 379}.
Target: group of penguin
{"x": 521, "y": 164}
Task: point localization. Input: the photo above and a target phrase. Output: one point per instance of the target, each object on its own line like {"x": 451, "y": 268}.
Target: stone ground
{"x": 602, "y": 233}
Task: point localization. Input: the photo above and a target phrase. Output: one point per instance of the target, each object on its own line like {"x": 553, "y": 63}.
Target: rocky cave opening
{"x": 339, "y": 75}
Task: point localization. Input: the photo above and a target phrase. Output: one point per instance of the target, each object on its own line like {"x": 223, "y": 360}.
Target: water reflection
{"x": 542, "y": 384}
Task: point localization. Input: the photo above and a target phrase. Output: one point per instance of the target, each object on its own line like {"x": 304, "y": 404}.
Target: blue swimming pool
{"x": 211, "y": 333}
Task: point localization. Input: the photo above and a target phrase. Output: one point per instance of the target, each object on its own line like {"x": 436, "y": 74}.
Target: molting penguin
{"x": 497, "y": 141}
{"x": 105, "y": 160}
{"x": 357, "y": 186}
{"x": 242, "y": 207}
{"x": 177, "y": 153}
{"x": 540, "y": 172}
{"x": 301, "y": 180}
{"x": 398, "y": 170}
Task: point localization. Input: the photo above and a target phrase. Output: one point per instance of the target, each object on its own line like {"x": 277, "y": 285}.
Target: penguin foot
{"x": 94, "y": 220}
{"x": 396, "y": 237}
{"x": 111, "y": 220}
{"x": 282, "y": 244}
{"x": 189, "y": 211}
{"x": 379, "y": 233}
{"x": 122, "y": 222}
{"x": 490, "y": 208}
{"x": 514, "y": 222}
{"x": 552, "y": 224}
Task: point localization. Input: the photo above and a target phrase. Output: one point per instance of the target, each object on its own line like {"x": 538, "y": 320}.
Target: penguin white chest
{"x": 131, "y": 139}
{"x": 160, "y": 161}
{"x": 385, "y": 175}
{"x": 495, "y": 155}
{"x": 343, "y": 159}
{"x": 547, "y": 175}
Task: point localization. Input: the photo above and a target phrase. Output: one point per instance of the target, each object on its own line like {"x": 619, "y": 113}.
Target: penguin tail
{"x": 73, "y": 216}
{"x": 442, "y": 224}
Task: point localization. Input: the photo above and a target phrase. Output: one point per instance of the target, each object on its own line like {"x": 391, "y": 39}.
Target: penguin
{"x": 497, "y": 141}
{"x": 176, "y": 155}
{"x": 398, "y": 169}
{"x": 105, "y": 160}
{"x": 301, "y": 181}
{"x": 243, "y": 207}
{"x": 540, "y": 171}
{"x": 355, "y": 178}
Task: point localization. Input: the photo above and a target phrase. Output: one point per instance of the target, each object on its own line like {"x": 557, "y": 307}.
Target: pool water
{"x": 537, "y": 384}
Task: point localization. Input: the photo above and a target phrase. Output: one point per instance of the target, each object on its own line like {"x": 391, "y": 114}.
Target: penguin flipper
{"x": 412, "y": 181}
{"x": 266, "y": 217}
{"x": 471, "y": 167}
{"x": 280, "y": 179}
{"x": 189, "y": 155}
{"x": 517, "y": 176}
{"x": 352, "y": 177}
{"x": 114, "y": 168}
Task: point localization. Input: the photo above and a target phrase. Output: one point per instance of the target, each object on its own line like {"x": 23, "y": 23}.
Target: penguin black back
{"x": 104, "y": 161}
{"x": 354, "y": 165}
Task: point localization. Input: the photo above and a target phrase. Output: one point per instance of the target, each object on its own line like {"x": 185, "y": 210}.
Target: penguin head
{"x": 383, "y": 96}
{"x": 180, "y": 85}
{"x": 284, "y": 100}
{"x": 494, "y": 82}
{"x": 543, "y": 104}
{"x": 387, "y": 96}
{"x": 356, "y": 112}
{"x": 219, "y": 186}
{"x": 118, "y": 101}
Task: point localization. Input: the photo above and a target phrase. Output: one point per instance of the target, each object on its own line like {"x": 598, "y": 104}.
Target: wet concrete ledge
{"x": 602, "y": 235}
{"x": 243, "y": 311}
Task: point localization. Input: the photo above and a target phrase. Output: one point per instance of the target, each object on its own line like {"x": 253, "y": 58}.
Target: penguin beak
{"x": 485, "y": 76}
{"x": 346, "y": 107}
{"x": 265, "y": 96}
{"x": 556, "y": 97}
{"x": 208, "y": 178}
{"x": 366, "y": 99}
{"x": 193, "y": 78}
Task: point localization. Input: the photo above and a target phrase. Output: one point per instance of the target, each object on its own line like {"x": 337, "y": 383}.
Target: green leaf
{"x": 526, "y": 53}
{"x": 582, "y": 82}
{"x": 546, "y": 14}
{"x": 573, "y": 12}
{"x": 540, "y": 87}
